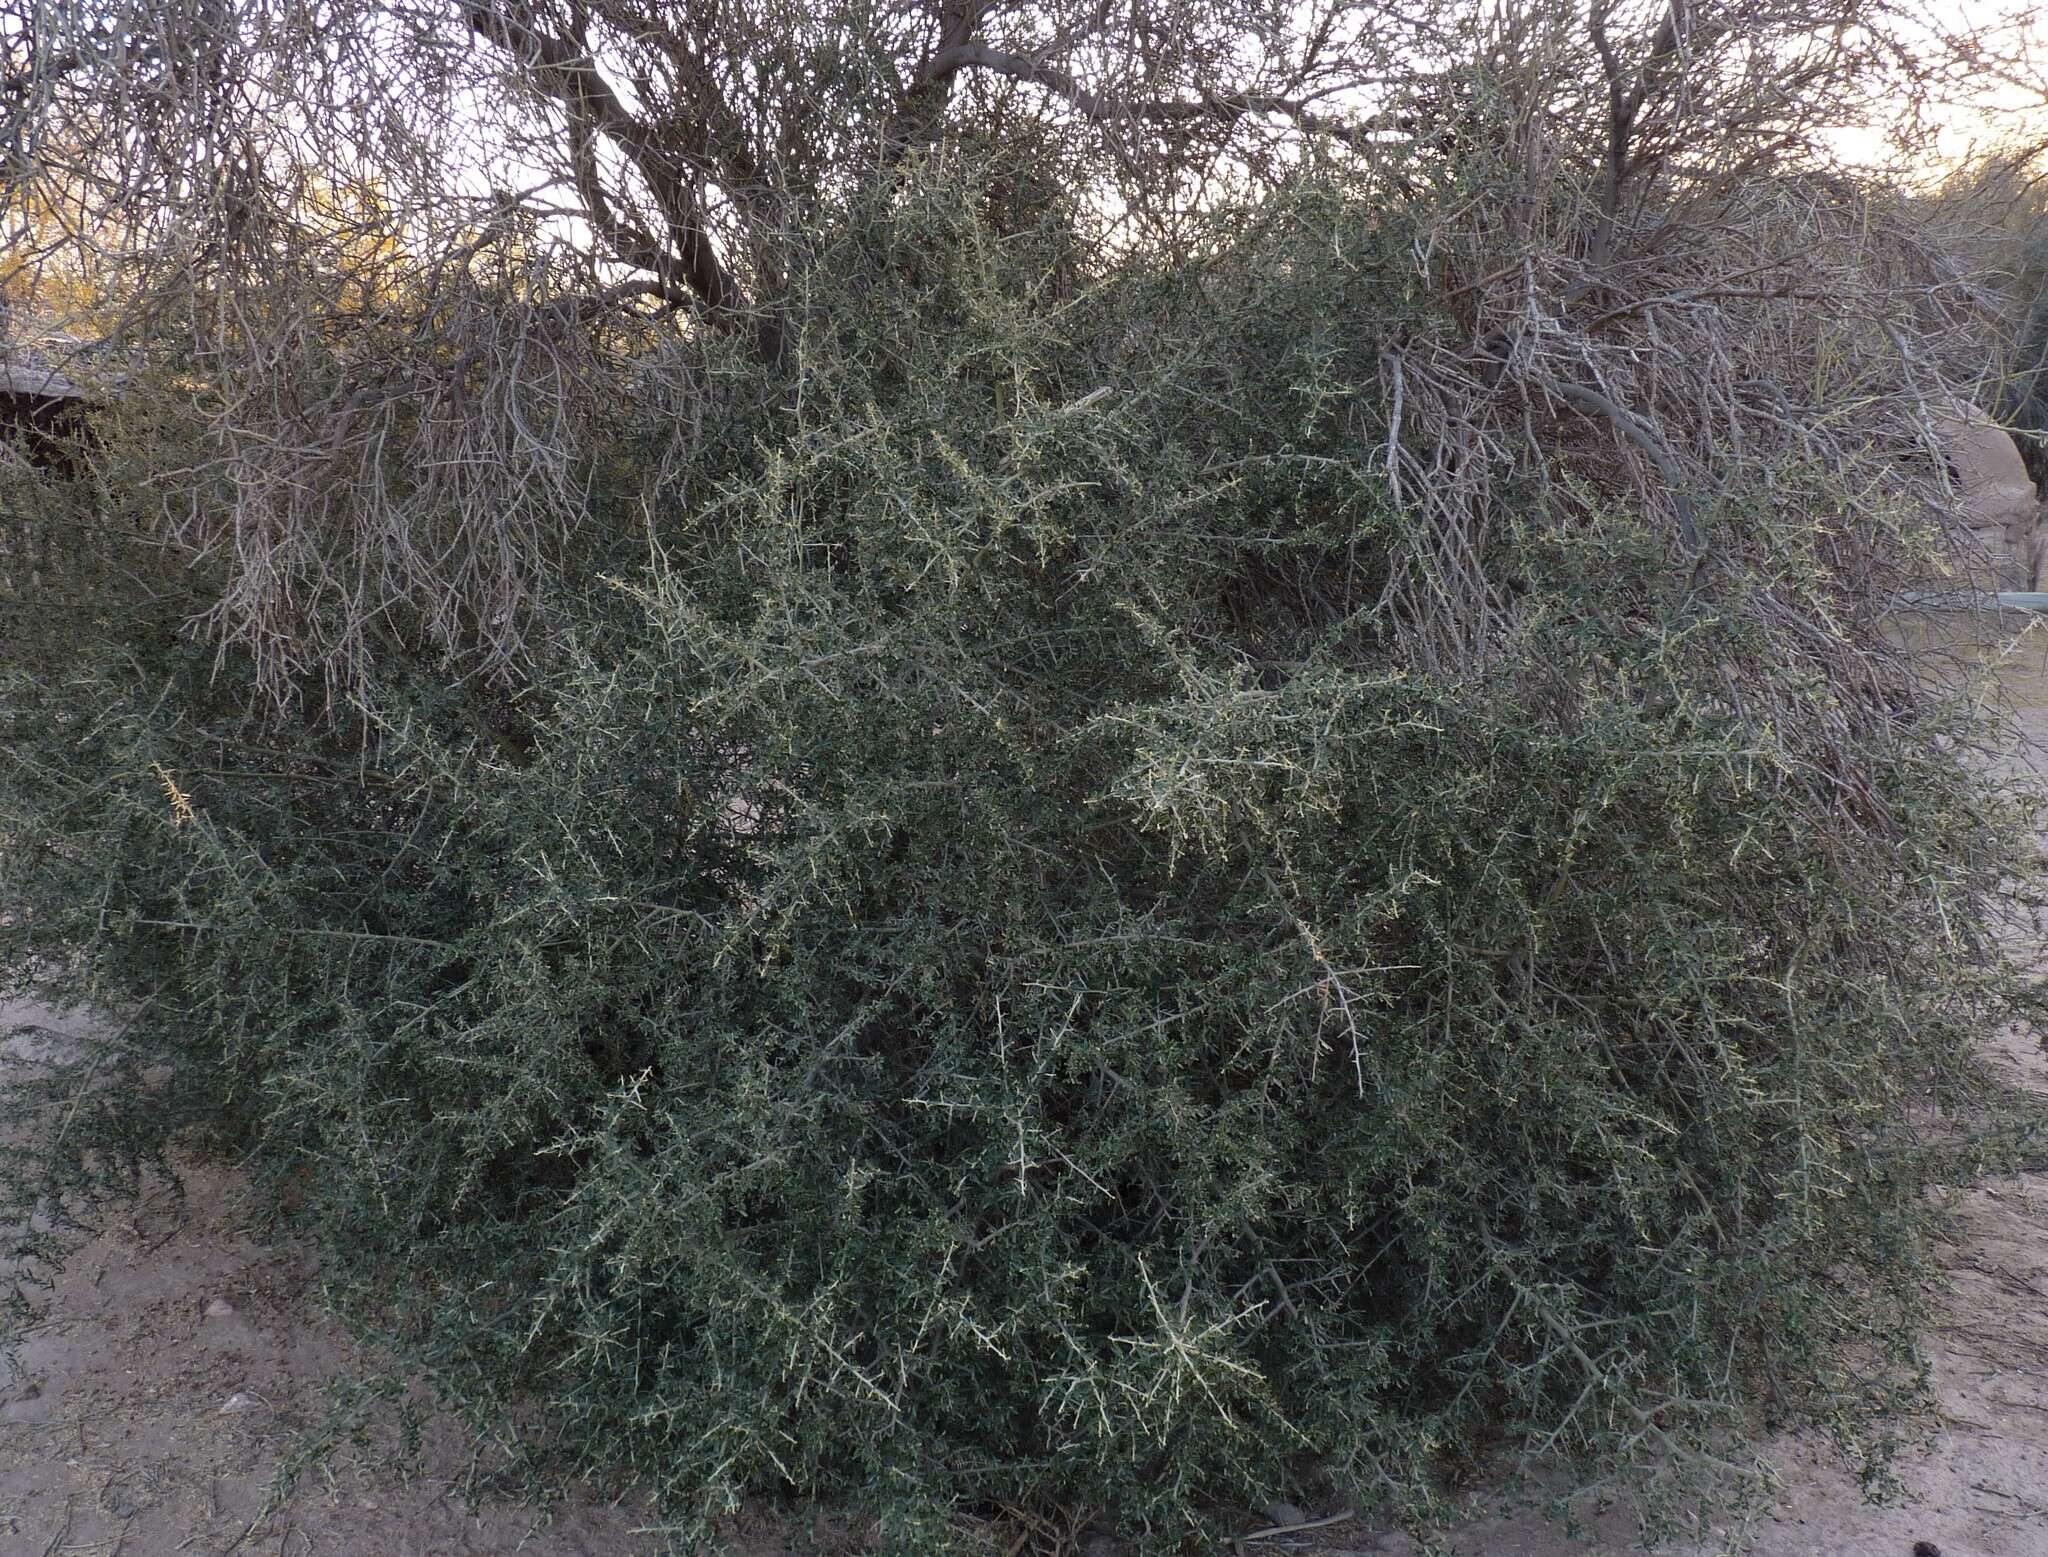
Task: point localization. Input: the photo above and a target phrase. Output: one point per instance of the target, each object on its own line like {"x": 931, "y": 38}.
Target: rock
{"x": 219, "y": 1308}
{"x": 1284, "y": 1514}
{"x": 1997, "y": 502}
{"x": 238, "y": 1403}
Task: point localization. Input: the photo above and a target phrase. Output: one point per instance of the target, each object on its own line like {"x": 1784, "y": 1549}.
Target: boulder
{"x": 1997, "y": 502}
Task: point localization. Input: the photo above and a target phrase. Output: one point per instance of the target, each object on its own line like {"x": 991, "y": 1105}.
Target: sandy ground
{"x": 182, "y": 1364}
{"x": 181, "y": 1367}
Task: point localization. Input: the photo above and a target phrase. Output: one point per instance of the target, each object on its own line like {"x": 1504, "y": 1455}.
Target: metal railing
{"x": 1976, "y": 599}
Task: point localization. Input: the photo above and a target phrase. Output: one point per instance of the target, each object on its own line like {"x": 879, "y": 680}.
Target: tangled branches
{"x": 384, "y": 477}
{"x": 1648, "y": 278}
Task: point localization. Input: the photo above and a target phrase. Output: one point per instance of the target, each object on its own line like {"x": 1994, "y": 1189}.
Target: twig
{"x": 1271, "y": 1531}
{"x": 1644, "y": 437}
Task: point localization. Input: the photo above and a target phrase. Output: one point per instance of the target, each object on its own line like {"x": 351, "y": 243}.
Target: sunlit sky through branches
{"x": 1993, "y": 108}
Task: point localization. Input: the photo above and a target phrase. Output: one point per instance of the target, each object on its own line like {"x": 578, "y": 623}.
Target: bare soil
{"x": 181, "y": 1370}
{"x": 182, "y": 1366}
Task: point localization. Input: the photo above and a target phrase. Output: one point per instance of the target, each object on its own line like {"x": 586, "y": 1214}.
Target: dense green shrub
{"x": 981, "y": 972}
